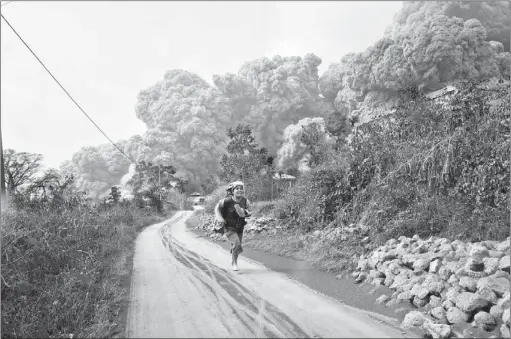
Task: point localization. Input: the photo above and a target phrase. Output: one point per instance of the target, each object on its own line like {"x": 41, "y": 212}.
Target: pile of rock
{"x": 254, "y": 226}
{"x": 450, "y": 282}
{"x": 206, "y": 223}
{"x": 261, "y": 225}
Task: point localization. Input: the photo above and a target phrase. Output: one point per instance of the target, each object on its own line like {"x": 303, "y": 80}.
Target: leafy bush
{"x": 451, "y": 165}
{"x": 263, "y": 208}
{"x": 62, "y": 264}
{"x": 313, "y": 201}
{"x": 430, "y": 168}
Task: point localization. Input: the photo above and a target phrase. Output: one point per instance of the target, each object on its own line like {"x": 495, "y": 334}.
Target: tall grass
{"x": 63, "y": 268}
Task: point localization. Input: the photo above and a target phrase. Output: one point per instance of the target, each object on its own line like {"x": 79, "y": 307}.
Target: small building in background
{"x": 281, "y": 182}
{"x": 196, "y": 198}
{"x": 443, "y": 95}
{"x": 284, "y": 179}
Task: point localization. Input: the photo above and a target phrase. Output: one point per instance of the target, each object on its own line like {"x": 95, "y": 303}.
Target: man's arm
{"x": 248, "y": 212}
{"x": 218, "y": 214}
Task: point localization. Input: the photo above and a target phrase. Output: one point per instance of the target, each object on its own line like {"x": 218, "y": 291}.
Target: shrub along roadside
{"x": 63, "y": 268}
{"x": 431, "y": 169}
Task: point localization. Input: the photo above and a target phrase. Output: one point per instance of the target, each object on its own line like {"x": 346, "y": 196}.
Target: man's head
{"x": 236, "y": 188}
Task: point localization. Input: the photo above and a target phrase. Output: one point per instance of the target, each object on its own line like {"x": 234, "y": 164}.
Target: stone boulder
{"x": 499, "y": 285}
{"x": 469, "y": 284}
{"x": 434, "y": 266}
{"x": 456, "y": 316}
{"x": 491, "y": 265}
{"x": 488, "y": 294}
{"x": 504, "y": 330}
{"x": 470, "y": 302}
{"x": 449, "y": 283}
{"x": 382, "y": 299}
{"x": 479, "y": 252}
{"x": 496, "y": 254}
{"x": 437, "y": 312}
{"x": 503, "y": 246}
{"x": 496, "y": 311}
{"x": 415, "y": 319}
{"x": 421, "y": 264}
{"x": 504, "y": 263}
{"x": 435, "y": 301}
{"x": 440, "y": 331}
{"x": 485, "y": 320}
{"x": 505, "y": 316}
{"x": 447, "y": 305}
{"x": 504, "y": 302}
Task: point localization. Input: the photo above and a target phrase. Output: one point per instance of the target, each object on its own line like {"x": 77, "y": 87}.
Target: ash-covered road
{"x": 182, "y": 286}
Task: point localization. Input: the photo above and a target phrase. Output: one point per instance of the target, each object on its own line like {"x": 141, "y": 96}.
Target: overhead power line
{"x": 74, "y": 101}
{"x": 69, "y": 95}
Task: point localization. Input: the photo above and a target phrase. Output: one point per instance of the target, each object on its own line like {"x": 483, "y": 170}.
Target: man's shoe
{"x": 235, "y": 267}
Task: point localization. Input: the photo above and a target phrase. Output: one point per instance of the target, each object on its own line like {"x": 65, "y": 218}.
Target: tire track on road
{"x": 258, "y": 316}
{"x": 182, "y": 287}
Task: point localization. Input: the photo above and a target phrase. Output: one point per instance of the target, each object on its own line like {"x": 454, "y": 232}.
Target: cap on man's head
{"x": 234, "y": 184}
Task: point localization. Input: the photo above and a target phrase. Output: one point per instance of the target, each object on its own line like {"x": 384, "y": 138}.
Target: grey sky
{"x": 105, "y": 52}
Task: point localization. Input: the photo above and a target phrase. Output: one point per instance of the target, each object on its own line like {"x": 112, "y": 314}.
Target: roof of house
{"x": 283, "y": 177}
{"x": 441, "y": 92}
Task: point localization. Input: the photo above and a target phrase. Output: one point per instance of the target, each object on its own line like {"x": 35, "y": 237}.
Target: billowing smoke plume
{"x": 270, "y": 94}
{"x": 429, "y": 44}
{"x": 186, "y": 123}
{"x": 127, "y": 190}
{"x": 294, "y": 153}
{"x": 495, "y": 16}
{"x": 97, "y": 169}
{"x": 428, "y": 50}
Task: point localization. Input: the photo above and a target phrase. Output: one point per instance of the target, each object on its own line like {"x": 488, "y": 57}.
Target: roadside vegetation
{"x": 342, "y": 161}
{"x": 431, "y": 168}
{"x": 66, "y": 262}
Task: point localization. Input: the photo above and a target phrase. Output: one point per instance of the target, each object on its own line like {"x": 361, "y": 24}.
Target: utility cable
{"x": 69, "y": 95}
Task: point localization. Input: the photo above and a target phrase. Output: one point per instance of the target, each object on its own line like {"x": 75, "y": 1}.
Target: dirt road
{"x": 182, "y": 286}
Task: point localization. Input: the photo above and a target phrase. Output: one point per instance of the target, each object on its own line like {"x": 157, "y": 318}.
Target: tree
{"x": 152, "y": 181}
{"x": 209, "y": 184}
{"x": 20, "y": 168}
{"x": 51, "y": 185}
{"x": 248, "y": 162}
{"x": 244, "y": 159}
{"x": 115, "y": 195}
{"x": 338, "y": 124}
{"x": 316, "y": 144}
{"x": 51, "y": 180}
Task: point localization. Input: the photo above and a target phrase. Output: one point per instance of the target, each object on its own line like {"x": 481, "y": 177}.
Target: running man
{"x": 230, "y": 214}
